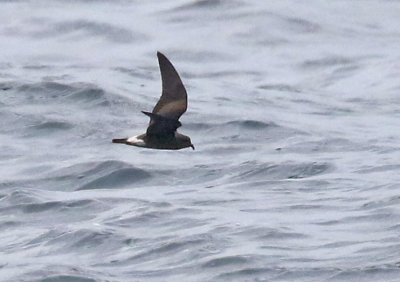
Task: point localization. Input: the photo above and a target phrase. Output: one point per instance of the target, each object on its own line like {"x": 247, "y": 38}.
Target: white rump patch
{"x": 135, "y": 141}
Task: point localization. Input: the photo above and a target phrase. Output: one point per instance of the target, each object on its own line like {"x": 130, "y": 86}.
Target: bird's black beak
{"x": 191, "y": 145}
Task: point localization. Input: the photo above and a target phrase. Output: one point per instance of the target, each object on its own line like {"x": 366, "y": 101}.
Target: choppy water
{"x": 293, "y": 109}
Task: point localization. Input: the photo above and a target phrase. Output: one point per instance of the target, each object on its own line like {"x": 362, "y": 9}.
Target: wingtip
{"x": 147, "y": 113}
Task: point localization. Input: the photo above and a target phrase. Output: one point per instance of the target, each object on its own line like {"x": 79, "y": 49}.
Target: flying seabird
{"x": 164, "y": 119}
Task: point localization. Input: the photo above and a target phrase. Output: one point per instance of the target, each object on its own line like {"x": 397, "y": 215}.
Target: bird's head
{"x": 185, "y": 141}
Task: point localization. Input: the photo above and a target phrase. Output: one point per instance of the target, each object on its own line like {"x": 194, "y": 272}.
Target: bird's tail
{"x": 122, "y": 140}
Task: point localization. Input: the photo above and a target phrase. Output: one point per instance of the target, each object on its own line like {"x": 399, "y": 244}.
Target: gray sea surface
{"x": 293, "y": 109}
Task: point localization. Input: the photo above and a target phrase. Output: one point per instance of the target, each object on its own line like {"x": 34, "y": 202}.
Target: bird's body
{"x": 157, "y": 142}
{"x": 164, "y": 119}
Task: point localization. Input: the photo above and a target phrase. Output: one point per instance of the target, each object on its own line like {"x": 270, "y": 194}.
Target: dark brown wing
{"x": 173, "y": 101}
{"x": 161, "y": 126}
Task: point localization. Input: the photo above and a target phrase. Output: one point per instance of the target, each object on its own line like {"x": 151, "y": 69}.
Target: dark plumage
{"x": 164, "y": 119}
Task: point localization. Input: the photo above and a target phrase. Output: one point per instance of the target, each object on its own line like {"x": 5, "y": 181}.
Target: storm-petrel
{"x": 164, "y": 119}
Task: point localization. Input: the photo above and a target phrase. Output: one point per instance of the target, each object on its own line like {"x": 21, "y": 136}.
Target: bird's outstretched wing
{"x": 164, "y": 120}
{"x": 173, "y": 100}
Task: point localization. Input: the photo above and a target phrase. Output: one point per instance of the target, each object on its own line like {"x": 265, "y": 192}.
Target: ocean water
{"x": 293, "y": 109}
